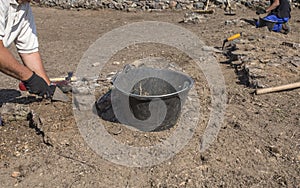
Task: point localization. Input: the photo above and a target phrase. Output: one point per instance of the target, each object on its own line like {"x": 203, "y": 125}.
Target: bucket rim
{"x": 191, "y": 83}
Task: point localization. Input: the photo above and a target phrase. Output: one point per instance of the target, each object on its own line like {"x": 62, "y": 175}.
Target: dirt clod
{"x": 15, "y": 174}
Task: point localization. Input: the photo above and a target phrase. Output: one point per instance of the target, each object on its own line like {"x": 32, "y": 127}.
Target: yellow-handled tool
{"x": 238, "y": 35}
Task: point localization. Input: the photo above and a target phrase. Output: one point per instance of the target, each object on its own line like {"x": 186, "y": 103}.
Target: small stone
{"x": 199, "y": 5}
{"x": 219, "y": 2}
{"x": 137, "y": 63}
{"x": 251, "y": 38}
{"x": 116, "y": 63}
{"x": 111, "y": 76}
{"x": 178, "y": 6}
{"x": 15, "y": 174}
{"x": 20, "y": 118}
{"x": 115, "y": 130}
{"x": 172, "y": 4}
{"x": 131, "y": 9}
{"x": 65, "y": 142}
{"x": 228, "y": 22}
{"x": 96, "y": 64}
{"x": 248, "y": 4}
{"x": 190, "y": 7}
{"x": 258, "y": 151}
{"x": 274, "y": 150}
{"x": 133, "y": 5}
{"x": 118, "y": 6}
{"x": 17, "y": 154}
{"x": 182, "y": 184}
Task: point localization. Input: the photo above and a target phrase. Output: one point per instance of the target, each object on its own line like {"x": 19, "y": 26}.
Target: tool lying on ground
{"x": 205, "y": 10}
{"x": 291, "y": 44}
{"x": 231, "y": 38}
{"x": 228, "y": 8}
{"x": 278, "y": 88}
{"x": 62, "y": 85}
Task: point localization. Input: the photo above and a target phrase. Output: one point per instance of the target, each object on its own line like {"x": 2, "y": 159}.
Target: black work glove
{"x": 37, "y": 85}
{"x": 261, "y": 11}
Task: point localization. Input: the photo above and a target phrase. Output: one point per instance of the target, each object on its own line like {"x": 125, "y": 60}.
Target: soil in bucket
{"x": 155, "y": 87}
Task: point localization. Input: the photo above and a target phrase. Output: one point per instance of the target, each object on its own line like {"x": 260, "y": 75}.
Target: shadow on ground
{"x": 14, "y": 96}
{"x": 251, "y": 22}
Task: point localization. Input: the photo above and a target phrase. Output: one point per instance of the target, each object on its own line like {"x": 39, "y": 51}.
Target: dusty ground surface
{"x": 258, "y": 144}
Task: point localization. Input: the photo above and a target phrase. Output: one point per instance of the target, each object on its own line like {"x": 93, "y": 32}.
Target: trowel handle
{"x": 238, "y": 35}
{"x": 234, "y": 37}
{"x": 22, "y": 86}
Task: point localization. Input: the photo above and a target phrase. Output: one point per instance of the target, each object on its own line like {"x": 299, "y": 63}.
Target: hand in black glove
{"x": 37, "y": 85}
{"x": 261, "y": 11}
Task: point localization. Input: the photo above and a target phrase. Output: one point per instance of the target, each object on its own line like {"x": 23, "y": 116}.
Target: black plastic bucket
{"x": 149, "y": 99}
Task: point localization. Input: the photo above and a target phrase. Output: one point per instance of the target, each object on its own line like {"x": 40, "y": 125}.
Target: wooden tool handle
{"x": 278, "y": 88}
{"x": 72, "y": 79}
{"x": 204, "y": 11}
{"x": 206, "y": 7}
{"x": 234, "y": 37}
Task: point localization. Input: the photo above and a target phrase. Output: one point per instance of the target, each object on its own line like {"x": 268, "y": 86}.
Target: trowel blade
{"x": 59, "y": 95}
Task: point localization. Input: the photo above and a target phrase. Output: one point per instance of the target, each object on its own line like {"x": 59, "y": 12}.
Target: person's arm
{"x": 34, "y": 83}
{"x": 10, "y": 66}
{"x": 273, "y": 6}
{"x": 34, "y": 62}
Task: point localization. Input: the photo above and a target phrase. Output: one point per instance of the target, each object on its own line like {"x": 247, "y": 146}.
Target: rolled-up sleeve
{"x": 27, "y": 40}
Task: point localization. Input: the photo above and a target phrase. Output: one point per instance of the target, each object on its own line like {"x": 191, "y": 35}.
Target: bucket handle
{"x": 125, "y": 69}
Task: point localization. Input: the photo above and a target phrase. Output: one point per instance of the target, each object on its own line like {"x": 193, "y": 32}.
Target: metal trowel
{"x": 58, "y": 95}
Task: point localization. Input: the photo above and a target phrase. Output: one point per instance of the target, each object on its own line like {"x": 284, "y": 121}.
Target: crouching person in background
{"x": 279, "y": 13}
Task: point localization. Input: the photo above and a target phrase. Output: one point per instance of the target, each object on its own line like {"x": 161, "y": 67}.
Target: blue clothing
{"x": 278, "y": 21}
